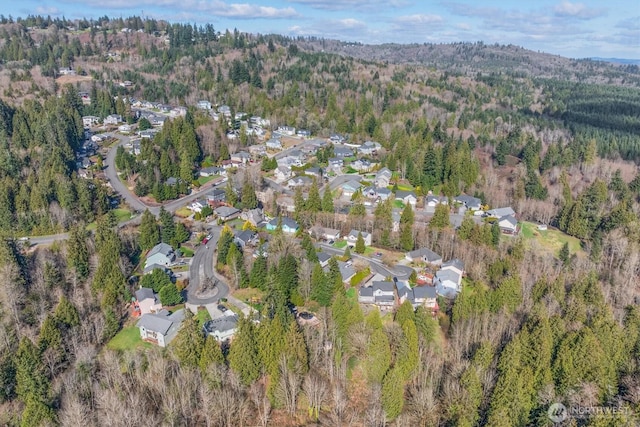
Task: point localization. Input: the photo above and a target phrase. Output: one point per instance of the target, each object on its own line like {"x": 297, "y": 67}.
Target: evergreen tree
{"x": 257, "y": 278}
{"x": 211, "y": 354}
{"x": 378, "y": 356}
{"x": 170, "y": 295}
{"x": 243, "y": 356}
{"x": 249, "y": 198}
{"x": 321, "y": 287}
{"x": 565, "y": 255}
{"x": 78, "y": 253}
{"x": 188, "y": 343}
{"x": 360, "y": 247}
{"x": 155, "y": 280}
{"x": 314, "y": 203}
{"x": 167, "y": 225}
{"x": 327, "y": 201}
{"x": 224, "y": 244}
{"x": 406, "y": 228}
{"x": 66, "y": 313}
{"x": 393, "y": 393}
{"x": 230, "y": 194}
{"x": 495, "y": 234}
{"x": 440, "y": 217}
{"x": 358, "y": 210}
{"x": 31, "y": 381}
{"x": 149, "y": 231}
{"x": 431, "y": 169}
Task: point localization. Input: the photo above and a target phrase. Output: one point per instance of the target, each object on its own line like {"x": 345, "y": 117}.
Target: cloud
{"x": 202, "y": 9}
{"x": 356, "y": 5}
{"x": 48, "y": 10}
{"x": 418, "y": 19}
{"x": 576, "y": 10}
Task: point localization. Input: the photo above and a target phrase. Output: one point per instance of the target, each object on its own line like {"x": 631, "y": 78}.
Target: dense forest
{"x": 533, "y": 326}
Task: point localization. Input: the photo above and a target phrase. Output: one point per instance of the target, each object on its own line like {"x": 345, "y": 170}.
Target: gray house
{"x": 161, "y": 254}
{"x": 160, "y": 328}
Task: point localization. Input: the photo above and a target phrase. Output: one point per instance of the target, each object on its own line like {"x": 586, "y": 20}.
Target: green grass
{"x": 340, "y": 244}
{"x": 398, "y": 204}
{"x": 128, "y": 339}
{"x": 360, "y": 276}
{"x": 202, "y": 316}
{"x": 186, "y": 252}
{"x": 352, "y": 294}
{"x": 405, "y": 187}
{"x": 202, "y": 180}
{"x": 550, "y": 239}
{"x": 121, "y": 214}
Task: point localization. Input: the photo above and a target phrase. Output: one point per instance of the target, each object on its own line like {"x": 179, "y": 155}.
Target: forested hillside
{"x": 533, "y": 325}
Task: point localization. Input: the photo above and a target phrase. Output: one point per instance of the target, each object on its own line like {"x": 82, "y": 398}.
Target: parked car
{"x": 205, "y": 240}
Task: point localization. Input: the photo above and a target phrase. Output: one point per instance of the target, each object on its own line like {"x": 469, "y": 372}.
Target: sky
{"x": 580, "y": 29}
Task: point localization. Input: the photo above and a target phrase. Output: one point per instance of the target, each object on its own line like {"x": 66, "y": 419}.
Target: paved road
{"x": 402, "y": 272}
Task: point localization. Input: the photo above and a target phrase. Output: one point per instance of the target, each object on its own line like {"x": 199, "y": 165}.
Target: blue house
{"x": 288, "y": 225}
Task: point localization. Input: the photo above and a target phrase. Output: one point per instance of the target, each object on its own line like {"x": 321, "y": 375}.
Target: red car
{"x": 205, "y": 240}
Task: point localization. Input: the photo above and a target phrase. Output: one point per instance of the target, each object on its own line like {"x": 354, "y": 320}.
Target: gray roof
{"x": 352, "y": 184}
{"x": 245, "y": 235}
{"x": 366, "y": 291}
{"x": 424, "y": 292}
{"x": 221, "y": 324}
{"x": 385, "y": 298}
{"x": 172, "y": 180}
{"x": 426, "y": 253}
{"x": 384, "y": 286}
{"x": 226, "y": 211}
{"x": 346, "y": 271}
{"x": 443, "y": 275}
{"x": 354, "y": 234}
{"x": 401, "y": 194}
{"x": 384, "y": 172}
{"x": 323, "y": 256}
{"x": 454, "y": 263}
{"x": 509, "y": 218}
{"x": 383, "y": 191}
{"x": 161, "y": 248}
{"x": 155, "y": 322}
{"x": 500, "y": 212}
{"x": 150, "y": 268}
{"x": 144, "y": 293}
{"x": 468, "y": 200}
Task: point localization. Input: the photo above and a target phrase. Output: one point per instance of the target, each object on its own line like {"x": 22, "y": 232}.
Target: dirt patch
{"x": 63, "y": 80}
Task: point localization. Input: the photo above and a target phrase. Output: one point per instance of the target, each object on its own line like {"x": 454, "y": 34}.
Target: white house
{"x": 89, "y": 121}
{"x": 448, "y": 280}
{"x": 197, "y": 205}
{"x": 508, "y": 224}
{"x": 160, "y": 328}
{"x": 352, "y": 238}
{"x": 324, "y": 233}
{"x": 282, "y": 173}
{"x": 286, "y": 130}
{"x": 222, "y": 328}
{"x": 381, "y": 293}
{"x": 432, "y": 201}
{"x": 383, "y": 177}
{"x": 113, "y": 119}
{"x": 161, "y": 254}
{"x": 349, "y": 188}
{"x": 124, "y": 128}
{"x": 274, "y": 144}
{"x": 407, "y": 197}
{"x": 369, "y": 147}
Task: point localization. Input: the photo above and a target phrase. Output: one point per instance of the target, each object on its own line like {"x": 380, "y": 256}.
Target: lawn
{"x": 550, "y": 239}
{"x": 186, "y": 252}
{"x": 352, "y": 294}
{"x": 405, "y": 187}
{"x": 340, "y": 244}
{"x": 202, "y": 180}
{"x": 398, "y": 204}
{"x": 127, "y": 339}
{"x": 360, "y": 276}
{"x": 184, "y": 212}
{"x": 121, "y": 214}
{"x": 202, "y": 316}
{"x": 248, "y": 295}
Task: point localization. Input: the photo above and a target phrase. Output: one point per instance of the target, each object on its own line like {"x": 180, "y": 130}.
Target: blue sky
{"x": 575, "y": 29}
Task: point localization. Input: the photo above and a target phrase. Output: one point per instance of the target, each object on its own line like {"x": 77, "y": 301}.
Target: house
{"x": 85, "y": 163}
{"x": 349, "y": 188}
{"x": 315, "y": 172}
{"x": 67, "y": 71}
{"x": 222, "y": 328}
{"x": 369, "y": 148}
{"x": 362, "y": 165}
{"x": 244, "y": 238}
{"x": 197, "y": 205}
{"x": 336, "y": 138}
{"x": 288, "y": 225}
{"x": 124, "y": 128}
{"x": 342, "y": 152}
{"x": 148, "y": 134}
{"x": 501, "y": 212}
{"x": 225, "y": 110}
{"x": 383, "y": 293}
{"x": 300, "y": 181}
{"x": 469, "y": 202}
{"x": 297, "y": 155}
{"x": 273, "y": 144}
{"x": 425, "y": 296}
{"x": 432, "y": 201}
{"x": 352, "y": 238}
{"x": 89, "y": 121}
{"x": 383, "y": 177}
{"x": 178, "y": 112}
{"x": 336, "y": 163}
{"x": 323, "y": 259}
{"x": 303, "y": 133}
{"x": 161, "y": 254}
{"x": 241, "y": 156}
{"x": 324, "y": 233}
{"x": 172, "y": 180}
{"x": 407, "y": 197}
{"x": 160, "y": 328}
{"x": 448, "y": 280}
{"x": 211, "y": 171}
{"x": 383, "y": 193}
{"x": 148, "y": 269}
{"x": 147, "y": 301}
{"x": 423, "y": 255}
{"x": 346, "y": 271}
{"x": 204, "y": 105}
{"x": 508, "y": 224}
{"x": 286, "y": 130}
{"x": 217, "y": 196}
{"x": 289, "y": 161}
{"x": 254, "y": 216}
{"x": 96, "y": 138}
{"x": 113, "y": 119}
{"x": 226, "y": 213}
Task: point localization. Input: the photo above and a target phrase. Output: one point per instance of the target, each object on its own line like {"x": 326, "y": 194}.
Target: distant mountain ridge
{"x": 471, "y": 58}
{"x": 625, "y": 61}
